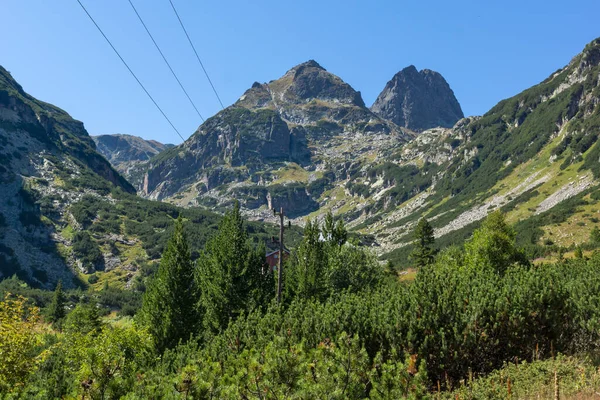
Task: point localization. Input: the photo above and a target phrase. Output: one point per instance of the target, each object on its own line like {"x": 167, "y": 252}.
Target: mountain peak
{"x": 311, "y": 81}
{"x": 303, "y": 83}
{"x": 121, "y": 149}
{"x": 309, "y": 64}
{"x": 408, "y": 70}
{"x": 418, "y": 100}
{"x": 6, "y": 79}
{"x": 590, "y": 56}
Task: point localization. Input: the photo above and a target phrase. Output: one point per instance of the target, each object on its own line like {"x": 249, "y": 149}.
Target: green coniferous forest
{"x": 479, "y": 321}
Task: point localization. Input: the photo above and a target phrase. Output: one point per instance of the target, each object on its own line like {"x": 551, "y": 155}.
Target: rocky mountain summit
{"x": 302, "y": 124}
{"x": 126, "y": 151}
{"x": 418, "y": 100}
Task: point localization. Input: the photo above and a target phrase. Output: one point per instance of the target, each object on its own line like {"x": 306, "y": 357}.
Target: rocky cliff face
{"x": 47, "y": 162}
{"x": 418, "y": 100}
{"x": 126, "y": 151}
{"x": 298, "y": 124}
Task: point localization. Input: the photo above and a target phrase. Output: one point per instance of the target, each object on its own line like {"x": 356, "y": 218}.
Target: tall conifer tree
{"x": 233, "y": 275}
{"x": 57, "y": 308}
{"x": 171, "y": 307}
{"x": 424, "y": 252}
{"x": 307, "y": 273}
{"x": 334, "y": 232}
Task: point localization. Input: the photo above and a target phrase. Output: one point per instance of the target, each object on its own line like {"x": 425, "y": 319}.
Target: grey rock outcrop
{"x": 48, "y": 162}
{"x": 418, "y": 100}
{"x": 309, "y": 117}
{"x": 121, "y": 150}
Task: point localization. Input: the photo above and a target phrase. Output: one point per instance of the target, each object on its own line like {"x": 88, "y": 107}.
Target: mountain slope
{"x": 51, "y": 127}
{"x": 48, "y": 161}
{"x": 307, "y": 143}
{"x": 280, "y": 144}
{"x": 126, "y": 151}
{"x": 66, "y": 214}
{"x": 418, "y": 100}
{"x": 528, "y": 154}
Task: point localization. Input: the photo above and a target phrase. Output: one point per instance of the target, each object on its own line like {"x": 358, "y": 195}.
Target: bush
{"x": 528, "y": 380}
{"x": 87, "y": 250}
{"x": 84, "y": 319}
{"x": 18, "y": 324}
{"x": 119, "y": 299}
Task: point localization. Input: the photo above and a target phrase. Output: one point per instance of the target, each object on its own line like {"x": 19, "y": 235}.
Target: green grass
{"x": 576, "y": 378}
{"x": 576, "y": 228}
{"x": 116, "y": 278}
{"x": 68, "y": 232}
{"x": 292, "y": 172}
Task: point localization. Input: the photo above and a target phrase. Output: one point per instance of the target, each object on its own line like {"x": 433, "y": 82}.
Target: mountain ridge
{"x": 48, "y": 161}
{"x": 383, "y": 177}
{"x": 67, "y": 215}
{"x": 308, "y": 117}
{"x": 307, "y": 143}
{"x": 124, "y": 151}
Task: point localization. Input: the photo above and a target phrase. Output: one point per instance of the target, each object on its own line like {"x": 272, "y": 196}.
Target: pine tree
{"x": 56, "y": 311}
{"x": 494, "y": 245}
{"x": 340, "y": 234}
{"x": 233, "y": 275}
{"x": 306, "y": 276}
{"x": 595, "y": 236}
{"x": 424, "y": 252}
{"x": 578, "y": 252}
{"x": 334, "y": 232}
{"x": 171, "y": 309}
{"x": 328, "y": 226}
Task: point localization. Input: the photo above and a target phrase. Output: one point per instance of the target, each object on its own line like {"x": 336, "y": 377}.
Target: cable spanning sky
{"x": 486, "y": 52}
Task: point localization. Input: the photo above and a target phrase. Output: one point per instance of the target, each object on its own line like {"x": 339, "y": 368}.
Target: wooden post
{"x": 556, "y": 389}
{"x": 470, "y": 383}
{"x": 280, "y": 262}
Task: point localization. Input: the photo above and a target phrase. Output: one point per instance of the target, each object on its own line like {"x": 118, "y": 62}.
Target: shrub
{"x": 87, "y": 250}
{"x": 19, "y": 341}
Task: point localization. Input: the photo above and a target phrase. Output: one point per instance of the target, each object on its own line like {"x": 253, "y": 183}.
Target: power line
{"x": 136, "y": 78}
{"x": 165, "y": 59}
{"x": 197, "y": 56}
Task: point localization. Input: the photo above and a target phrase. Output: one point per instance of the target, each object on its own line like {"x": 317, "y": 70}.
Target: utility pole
{"x": 280, "y": 262}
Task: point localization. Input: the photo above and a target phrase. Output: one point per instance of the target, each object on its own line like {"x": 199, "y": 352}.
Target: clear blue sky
{"x": 486, "y": 52}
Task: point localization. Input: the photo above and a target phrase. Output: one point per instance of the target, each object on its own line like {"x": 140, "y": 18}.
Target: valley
{"x": 299, "y": 243}
{"x": 325, "y": 151}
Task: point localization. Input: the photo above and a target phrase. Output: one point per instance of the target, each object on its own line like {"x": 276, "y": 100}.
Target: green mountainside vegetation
{"x": 67, "y": 215}
{"x": 308, "y": 143}
{"x": 478, "y": 321}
